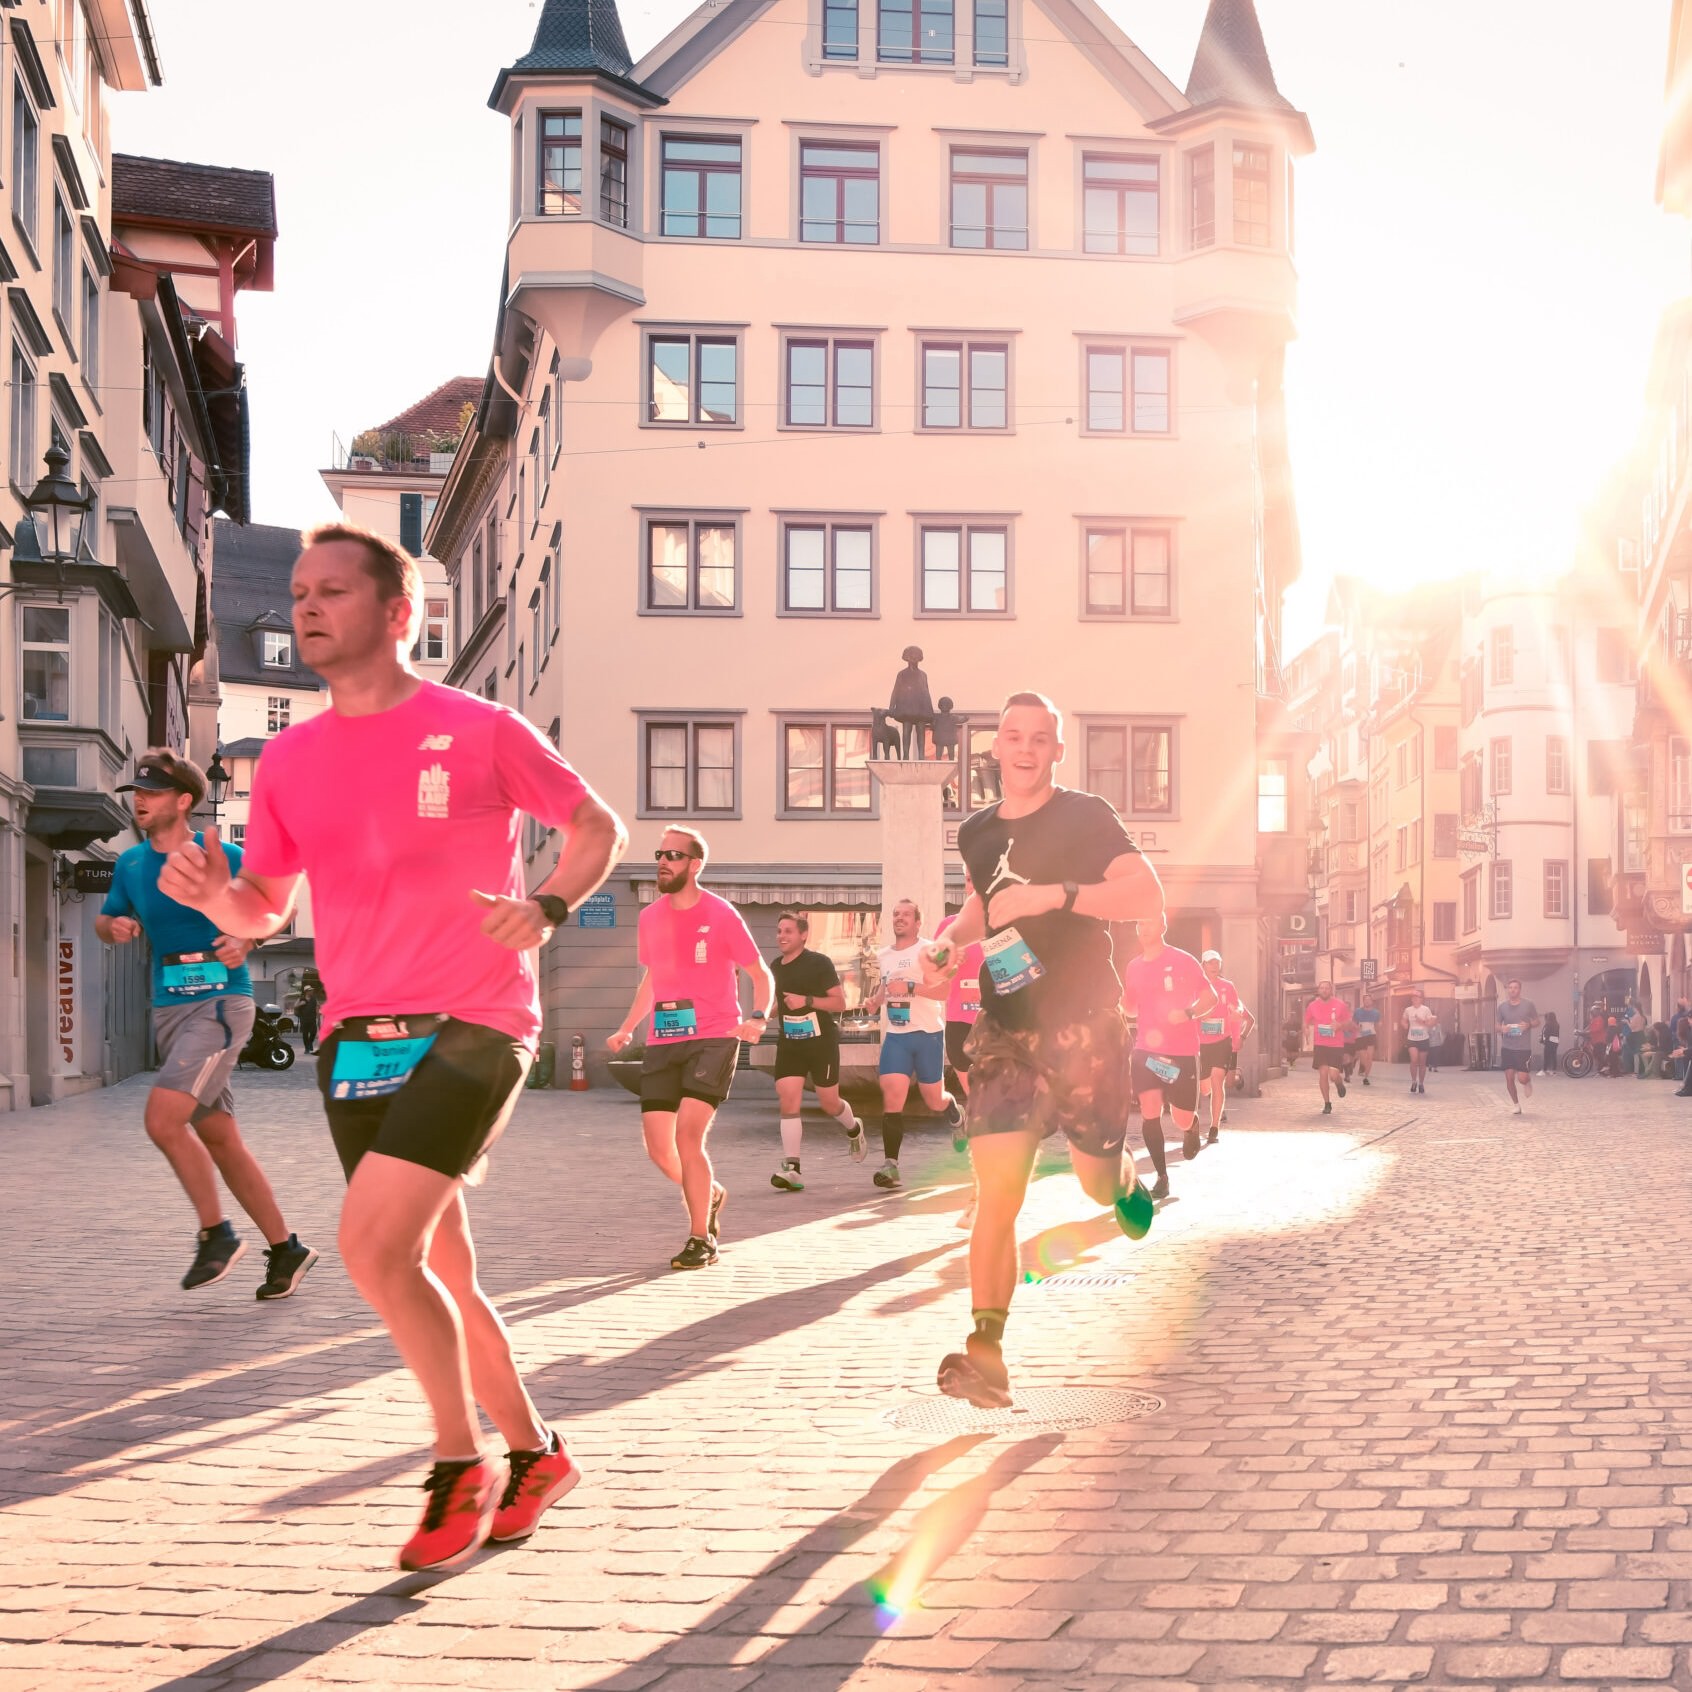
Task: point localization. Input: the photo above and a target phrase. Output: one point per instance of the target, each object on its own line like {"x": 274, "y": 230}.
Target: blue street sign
{"x": 599, "y": 911}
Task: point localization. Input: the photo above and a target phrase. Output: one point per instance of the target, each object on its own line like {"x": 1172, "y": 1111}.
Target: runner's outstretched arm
{"x": 251, "y": 907}
{"x": 638, "y": 1013}
{"x": 594, "y": 844}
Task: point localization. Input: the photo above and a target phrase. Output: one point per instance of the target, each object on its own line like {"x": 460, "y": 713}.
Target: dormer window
{"x": 561, "y": 164}
{"x": 276, "y": 650}
{"x": 914, "y": 32}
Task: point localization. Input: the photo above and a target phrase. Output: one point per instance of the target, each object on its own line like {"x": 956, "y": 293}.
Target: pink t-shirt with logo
{"x": 1221, "y": 1020}
{"x": 963, "y": 1003}
{"x": 1332, "y": 1014}
{"x": 1153, "y": 988}
{"x": 693, "y": 956}
{"x": 394, "y": 819}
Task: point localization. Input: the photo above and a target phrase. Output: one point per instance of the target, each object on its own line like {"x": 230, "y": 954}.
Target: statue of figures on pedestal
{"x": 911, "y": 705}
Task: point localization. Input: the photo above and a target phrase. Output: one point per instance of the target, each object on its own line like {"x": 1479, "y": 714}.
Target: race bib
{"x": 1212, "y": 1025}
{"x": 800, "y": 1026}
{"x": 1010, "y": 963}
{"x": 1165, "y": 1069}
{"x": 898, "y": 1013}
{"x": 193, "y": 972}
{"x": 377, "y": 1057}
{"x": 970, "y": 1003}
{"x": 674, "y": 1019}
{"x": 1512, "y": 1028}
{"x": 1418, "y": 1036}
{"x": 1325, "y": 1029}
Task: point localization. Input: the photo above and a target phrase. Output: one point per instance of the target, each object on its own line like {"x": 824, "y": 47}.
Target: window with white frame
{"x": 1502, "y": 765}
{"x": 66, "y": 271}
{"x": 279, "y": 711}
{"x": 25, "y": 464}
{"x": 688, "y": 766}
{"x": 1128, "y": 390}
{"x": 965, "y": 568}
{"x": 111, "y": 674}
{"x": 1503, "y": 656}
{"x": 965, "y": 385}
{"x": 90, "y": 329}
{"x": 26, "y": 161}
{"x": 829, "y": 383}
{"x": 691, "y": 565}
{"x": 827, "y": 567}
{"x": 1500, "y": 905}
{"x": 1444, "y": 922}
{"x": 1201, "y": 196}
{"x": 1556, "y": 887}
{"x": 1273, "y": 796}
{"x": 1556, "y": 764}
{"x": 434, "y": 629}
{"x": 1119, "y": 204}
{"x": 237, "y": 832}
{"x": 276, "y": 649}
{"x": 693, "y": 380}
{"x": 45, "y": 636}
{"x": 825, "y": 767}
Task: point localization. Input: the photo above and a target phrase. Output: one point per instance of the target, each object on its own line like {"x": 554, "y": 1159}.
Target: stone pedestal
{"x": 913, "y": 838}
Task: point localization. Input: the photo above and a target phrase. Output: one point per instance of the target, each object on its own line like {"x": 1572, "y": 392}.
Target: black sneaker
{"x": 976, "y": 1374}
{"x": 718, "y": 1194}
{"x": 1340, "y": 1086}
{"x": 696, "y": 1254}
{"x": 219, "y": 1250}
{"x": 285, "y": 1267}
{"x": 1159, "y": 1189}
{"x": 1190, "y": 1143}
{"x": 1327, "y": 1110}
{"x": 1215, "y": 1129}
{"x": 1366, "y": 1081}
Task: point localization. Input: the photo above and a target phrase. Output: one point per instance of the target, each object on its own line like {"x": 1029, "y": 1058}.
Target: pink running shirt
{"x": 692, "y": 955}
{"x": 1223, "y": 1019}
{"x": 963, "y": 1003}
{"x": 1153, "y": 988}
{"x": 394, "y": 819}
{"x": 1331, "y": 1014}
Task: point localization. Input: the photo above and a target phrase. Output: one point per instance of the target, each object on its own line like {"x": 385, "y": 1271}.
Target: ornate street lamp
{"x": 217, "y": 783}
{"x": 59, "y": 509}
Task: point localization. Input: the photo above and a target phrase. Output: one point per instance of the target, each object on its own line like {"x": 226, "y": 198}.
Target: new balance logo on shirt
{"x": 436, "y": 743}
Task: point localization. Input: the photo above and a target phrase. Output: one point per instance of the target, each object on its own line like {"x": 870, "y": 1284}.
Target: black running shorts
{"x": 673, "y": 1070}
{"x": 957, "y": 1046}
{"x": 1073, "y": 1077}
{"x": 1216, "y": 1054}
{"x": 1179, "y": 1094}
{"x": 1516, "y": 1058}
{"x": 451, "y": 1109}
{"x": 817, "y": 1060}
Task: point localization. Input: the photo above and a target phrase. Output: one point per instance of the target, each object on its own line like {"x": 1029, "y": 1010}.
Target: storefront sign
{"x": 92, "y": 877}
{"x": 65, "y": 1055}
{"x": 1645, "y": 942}
{"x": 1300, "y": 925}
{"x": 599, "y": 911}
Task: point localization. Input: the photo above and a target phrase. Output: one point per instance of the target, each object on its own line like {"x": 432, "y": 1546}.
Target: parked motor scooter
{"x": 265, "y": 1045}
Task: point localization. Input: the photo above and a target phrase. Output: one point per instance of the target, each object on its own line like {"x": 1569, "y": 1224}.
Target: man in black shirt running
{"x": 808, "y": 1003}
{"x": 1051, "y": 868}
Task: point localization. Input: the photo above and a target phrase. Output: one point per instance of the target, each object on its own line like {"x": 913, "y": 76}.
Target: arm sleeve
{"x": 827, "y": 975}
{"x": 532, "y": 774}
{"x": 269, "y": 848}
{"x": 118, "y": 902}
{"x": 1106, "y": 838}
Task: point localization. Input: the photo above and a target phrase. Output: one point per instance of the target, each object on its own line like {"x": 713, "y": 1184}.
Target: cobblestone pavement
{"x": 1419, "y": 1379}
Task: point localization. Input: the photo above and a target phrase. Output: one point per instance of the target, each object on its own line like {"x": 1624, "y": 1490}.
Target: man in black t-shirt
{"x": 1051, "y": 867}
{"x": 808, "y": 1003}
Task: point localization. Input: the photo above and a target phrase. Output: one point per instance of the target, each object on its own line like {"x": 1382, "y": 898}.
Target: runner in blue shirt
{"x": 1367, "y": 1017}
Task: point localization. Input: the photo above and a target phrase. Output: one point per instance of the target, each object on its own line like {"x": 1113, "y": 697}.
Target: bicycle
{"x": 1581, "y": 1060}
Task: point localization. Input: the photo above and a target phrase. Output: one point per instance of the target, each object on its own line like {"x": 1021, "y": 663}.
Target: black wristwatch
{"x": 1069, "y": 892}
{"x": 555, "y": 910}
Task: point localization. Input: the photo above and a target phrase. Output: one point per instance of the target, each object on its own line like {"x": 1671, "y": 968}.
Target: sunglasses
{"x": 668, "y": 855}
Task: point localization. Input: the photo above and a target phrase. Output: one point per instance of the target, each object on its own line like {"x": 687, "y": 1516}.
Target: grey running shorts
{"x": 199, "y": 1045}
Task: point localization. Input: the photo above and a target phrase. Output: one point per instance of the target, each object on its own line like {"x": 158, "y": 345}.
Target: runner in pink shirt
{"x": 693, "y": 945}
{"x": 1220, "y": 1031}
{"x": 1167, "y": 990}
{"x": 403, "y": 803}
{"x": 1327, "y": 1018}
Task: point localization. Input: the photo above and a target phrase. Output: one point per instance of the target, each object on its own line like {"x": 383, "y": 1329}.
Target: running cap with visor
{"x": 1205, "y": 957}
{"x": 165, "y": 772}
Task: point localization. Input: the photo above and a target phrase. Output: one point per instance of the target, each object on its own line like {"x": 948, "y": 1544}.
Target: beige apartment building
{"x": 118, "y": 320}
{"x": 836, "y": 327}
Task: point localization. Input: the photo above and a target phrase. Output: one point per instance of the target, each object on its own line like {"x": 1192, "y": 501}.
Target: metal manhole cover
{"x": 1037, "y": 1410}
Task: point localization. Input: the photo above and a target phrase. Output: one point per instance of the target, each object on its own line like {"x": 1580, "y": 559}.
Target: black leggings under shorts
{"x": 452, "y": 1108}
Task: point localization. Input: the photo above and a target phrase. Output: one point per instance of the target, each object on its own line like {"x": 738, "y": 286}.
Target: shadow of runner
{"x": 830, "y": 1657}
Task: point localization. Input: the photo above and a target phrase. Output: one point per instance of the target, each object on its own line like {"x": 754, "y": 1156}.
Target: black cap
{"x": 166, "y": 773}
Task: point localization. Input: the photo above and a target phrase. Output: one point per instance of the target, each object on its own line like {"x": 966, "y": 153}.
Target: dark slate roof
{"x": 578, "y": 35}
{"x": 210, "y": 196}
{"x": 251, "y": 747}
{"x": 251, "y": 564}
{"x": 1231, "y": 65}
{"x": 437, "y": 413}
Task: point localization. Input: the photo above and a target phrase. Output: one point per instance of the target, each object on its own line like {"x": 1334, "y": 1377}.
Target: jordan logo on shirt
{"x": 434, "y": 789}
{"x": 1004, "y": 875}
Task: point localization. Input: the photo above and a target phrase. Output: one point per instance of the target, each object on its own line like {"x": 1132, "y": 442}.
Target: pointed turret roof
{"x": 575, "y": 37}
{"x": 1231, "y": 66}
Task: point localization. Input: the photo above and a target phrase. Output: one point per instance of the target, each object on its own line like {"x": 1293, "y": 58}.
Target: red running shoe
{"x": 536, "y": 1479}
{"x": 462, "y": 1501}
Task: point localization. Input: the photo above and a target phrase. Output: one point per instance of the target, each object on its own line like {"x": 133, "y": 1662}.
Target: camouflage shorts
{"x": 1074, "y": 1077}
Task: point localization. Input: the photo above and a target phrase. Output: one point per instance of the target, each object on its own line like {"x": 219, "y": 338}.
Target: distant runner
{"x": 1167, "y": 991}
{"x": 1420, "y": 1026}
{"x": 1367, "y": 1017}
{"x": 1052, "y": 867}
{"x": 1326, "y": 1017}
{"x": 1220, "y": 1032}
{"x": 1516, "y": 1019}
{"x": 692, "y": 943}
{"x": 809, "y": 1000}
{"x": 202, "y": 1015}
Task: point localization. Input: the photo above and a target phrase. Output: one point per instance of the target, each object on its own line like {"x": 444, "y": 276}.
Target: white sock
{"x": 792, "y": 1132}
{"x": 847, "y": 1120}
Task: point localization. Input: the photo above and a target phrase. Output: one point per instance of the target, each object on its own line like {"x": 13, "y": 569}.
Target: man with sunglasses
{"x": 692, "y": 943}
